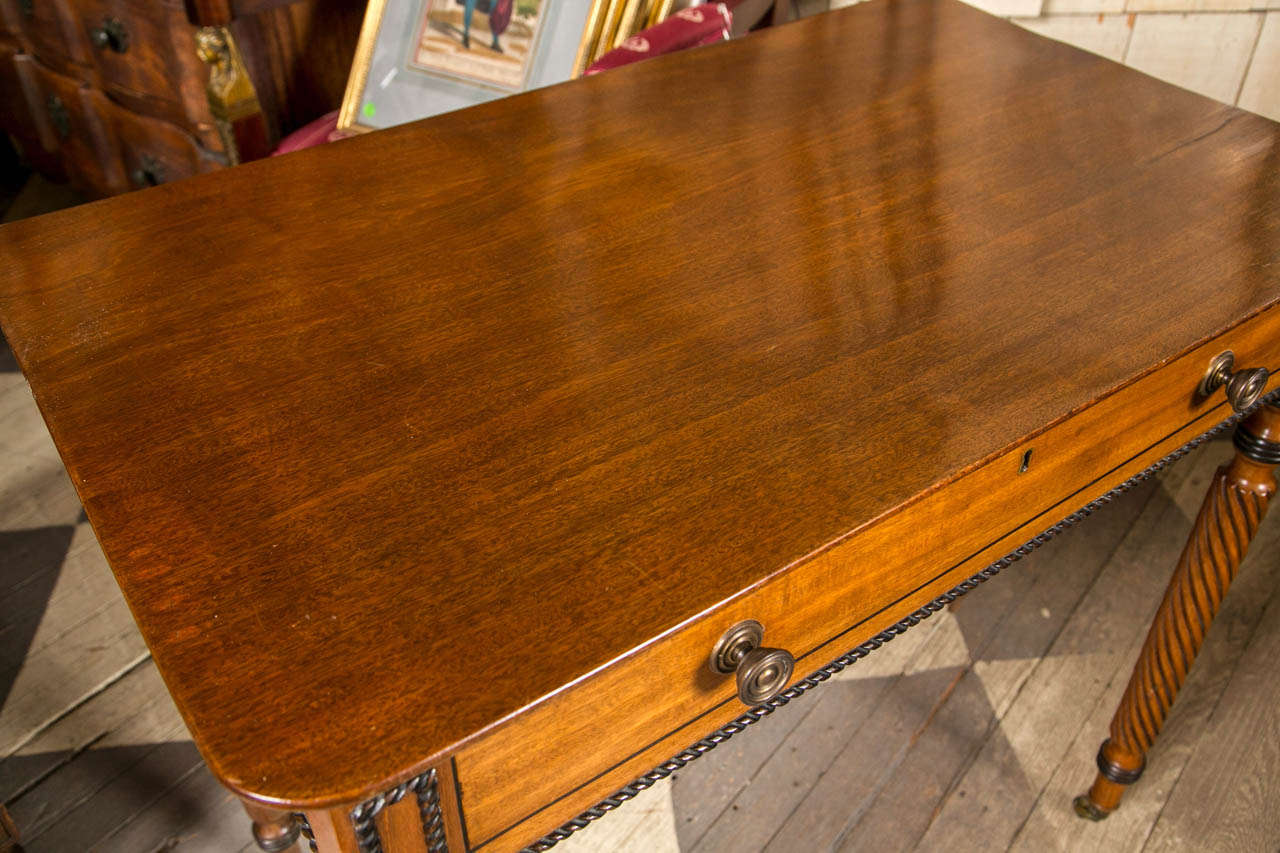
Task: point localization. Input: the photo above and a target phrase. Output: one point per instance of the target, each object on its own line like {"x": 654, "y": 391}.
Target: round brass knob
{"x": 762, "y": 672}
{"x": 1244, "y": 387}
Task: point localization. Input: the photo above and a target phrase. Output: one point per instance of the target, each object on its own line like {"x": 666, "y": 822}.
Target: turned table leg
{"x": 1237, "y": 499}
{"x": 420, "y": 815}
{"x": 274, "y": 830}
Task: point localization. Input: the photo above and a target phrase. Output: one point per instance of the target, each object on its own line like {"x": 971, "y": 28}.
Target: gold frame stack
{"x": 611, "y": 22}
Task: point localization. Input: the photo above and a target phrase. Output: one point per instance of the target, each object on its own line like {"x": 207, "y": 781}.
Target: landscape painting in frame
{"x": 490, "y": 42}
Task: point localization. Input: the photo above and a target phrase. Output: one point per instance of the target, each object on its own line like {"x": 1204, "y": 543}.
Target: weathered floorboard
{"x": 730, "y": 808}
{"x": 1225, "y": 798}
{"x": 1009, "y": 625}
{"x": 988, "y": 805}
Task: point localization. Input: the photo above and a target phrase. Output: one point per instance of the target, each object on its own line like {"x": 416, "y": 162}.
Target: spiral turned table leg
{"x": 1237, "y": 499}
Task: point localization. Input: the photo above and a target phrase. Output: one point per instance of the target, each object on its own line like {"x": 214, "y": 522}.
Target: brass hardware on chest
{"x": 229, "y": 91}
{"x": 149, "y": 173}
{"x": 111, "y": 34}
{"x": 762, "y": 672}
{"x": 1244, "y": 387}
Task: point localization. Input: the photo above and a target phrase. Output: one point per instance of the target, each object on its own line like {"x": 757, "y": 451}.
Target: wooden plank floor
{"x": 970, "y": 732}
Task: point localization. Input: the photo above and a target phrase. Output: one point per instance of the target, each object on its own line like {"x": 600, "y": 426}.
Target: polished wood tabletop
{"x": 391, "y": 440}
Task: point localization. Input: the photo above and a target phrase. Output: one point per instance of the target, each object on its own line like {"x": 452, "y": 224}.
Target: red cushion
{"x": 308, "y": 136}
{"x": 692, "y": 27}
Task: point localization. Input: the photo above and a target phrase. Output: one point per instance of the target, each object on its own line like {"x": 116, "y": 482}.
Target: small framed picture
{"x": 503, "y": 42}
{"x": 418, "y": 58}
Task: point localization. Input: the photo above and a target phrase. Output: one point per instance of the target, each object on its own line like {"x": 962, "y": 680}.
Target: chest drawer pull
{"x": 149, "y": 173}
{"x": 1244, "y": 387}
{"x": 60, "y": 117}
{"x": 111, "y": 34}
{"x": 762, "y": 672}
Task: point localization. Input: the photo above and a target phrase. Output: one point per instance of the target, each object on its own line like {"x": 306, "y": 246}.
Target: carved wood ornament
{"x": 232, "y": 98}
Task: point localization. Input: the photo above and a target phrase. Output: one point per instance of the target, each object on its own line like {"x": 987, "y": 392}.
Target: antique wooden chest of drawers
{"x": 112, "y": 93}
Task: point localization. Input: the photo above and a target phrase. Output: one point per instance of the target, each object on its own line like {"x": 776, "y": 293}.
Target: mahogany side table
{"x": 461, "y": 474}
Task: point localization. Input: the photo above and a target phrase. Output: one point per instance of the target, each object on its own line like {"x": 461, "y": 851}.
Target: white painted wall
{"x": 1226, "y": 49}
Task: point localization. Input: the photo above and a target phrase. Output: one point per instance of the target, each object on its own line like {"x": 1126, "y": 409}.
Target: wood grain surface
{"x": 454, "y": 415}
{"x": 600, "y": 734}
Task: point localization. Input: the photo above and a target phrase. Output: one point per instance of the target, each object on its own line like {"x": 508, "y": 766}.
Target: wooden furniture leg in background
{"x": 1236, "y": 502}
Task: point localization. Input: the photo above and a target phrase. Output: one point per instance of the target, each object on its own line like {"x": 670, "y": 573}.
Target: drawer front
{"x": 70, "y": 115}
{"x": 19, "y": 94}
{"x": 104, "y": 147}
{"x": 10, "y": 25}
{"x": 49, "y": 29}
{"x": 153, "y": 151}
{"x": 548, "y": 764}
{"x": 145, "y": 55}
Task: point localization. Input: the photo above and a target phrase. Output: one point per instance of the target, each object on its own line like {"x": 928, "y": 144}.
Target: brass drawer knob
{"x": 1244, "y": 387}
{"x": 762, "y": 672}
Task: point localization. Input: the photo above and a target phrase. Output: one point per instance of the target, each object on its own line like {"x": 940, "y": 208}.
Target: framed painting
{"x": 418, "y": 58}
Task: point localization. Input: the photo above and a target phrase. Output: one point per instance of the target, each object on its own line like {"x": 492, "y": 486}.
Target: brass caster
{"x": 1087, "y": 809}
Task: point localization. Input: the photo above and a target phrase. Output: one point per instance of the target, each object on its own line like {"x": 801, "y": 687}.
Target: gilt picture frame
{"x": 418, "y": 58}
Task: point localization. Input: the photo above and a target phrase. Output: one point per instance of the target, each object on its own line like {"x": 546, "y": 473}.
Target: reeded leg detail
{"x": 1228, "y": 519}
